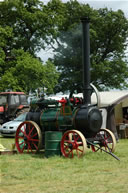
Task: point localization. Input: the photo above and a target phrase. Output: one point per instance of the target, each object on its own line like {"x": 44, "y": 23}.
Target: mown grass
{"x": 94, "y": 173}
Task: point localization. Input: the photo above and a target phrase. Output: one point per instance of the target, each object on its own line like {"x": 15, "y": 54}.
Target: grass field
{"x": 94, "y": 173}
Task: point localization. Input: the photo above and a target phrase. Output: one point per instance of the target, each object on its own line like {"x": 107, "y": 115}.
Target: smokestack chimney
{"x": 86, "y": 61}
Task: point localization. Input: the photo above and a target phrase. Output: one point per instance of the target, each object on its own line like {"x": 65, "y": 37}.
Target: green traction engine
{"x": 76, "y": 119}
{"x": 78, "y": 125}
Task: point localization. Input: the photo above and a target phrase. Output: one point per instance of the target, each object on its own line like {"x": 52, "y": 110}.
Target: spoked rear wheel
{"x": 28, "y": 137}
{"x": 106, "y": 140}
{"x": 73, "y": 143}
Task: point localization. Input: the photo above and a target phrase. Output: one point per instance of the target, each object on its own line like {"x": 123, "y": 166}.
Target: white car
{"x": 9, "y": 128}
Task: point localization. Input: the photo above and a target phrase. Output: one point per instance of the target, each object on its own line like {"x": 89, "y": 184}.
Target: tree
{"x": 24, "y": 25}
{"x": 25, "y": 18}
{"x": 33, "y": 23}
{"x": 27, "y": 74}
{"x": 108, "y": 35}
{"x": 51, "y": 77}
{"x": 68, "y": 60}
{"x": 30, "y": 25}
{"x": 110, "y": 68}
{"x": 5, "y": 34}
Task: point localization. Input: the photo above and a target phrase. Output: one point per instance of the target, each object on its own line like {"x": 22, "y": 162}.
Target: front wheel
{"x": 73, "y": 143}
{"x": 28, "y": 137}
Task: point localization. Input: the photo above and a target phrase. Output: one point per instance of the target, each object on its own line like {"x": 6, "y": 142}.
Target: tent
{"x": 111, "y": 98}
{"x": 112, "y": 104}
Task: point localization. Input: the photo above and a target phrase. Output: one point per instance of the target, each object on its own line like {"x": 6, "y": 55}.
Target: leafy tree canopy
{"x": 108, "y": 36}
{"x": 26, "y": 26}
{"x": 27, "y": 74}
{"x": 27, "y": 21}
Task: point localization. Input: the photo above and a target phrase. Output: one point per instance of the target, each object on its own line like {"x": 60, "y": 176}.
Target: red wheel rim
{"x": 73, "y": 144}
{"x": 107, "y": 141}
{"x": 28, "y": 137}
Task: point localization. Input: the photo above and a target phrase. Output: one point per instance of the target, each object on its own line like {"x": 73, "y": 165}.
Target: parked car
{"x": 9, "y": 128}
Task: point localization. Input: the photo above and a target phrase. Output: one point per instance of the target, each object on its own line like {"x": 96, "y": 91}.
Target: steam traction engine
{"x": 77, "y": 120}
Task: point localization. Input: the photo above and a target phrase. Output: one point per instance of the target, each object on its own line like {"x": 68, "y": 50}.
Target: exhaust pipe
{"x": 86, "y": 61}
